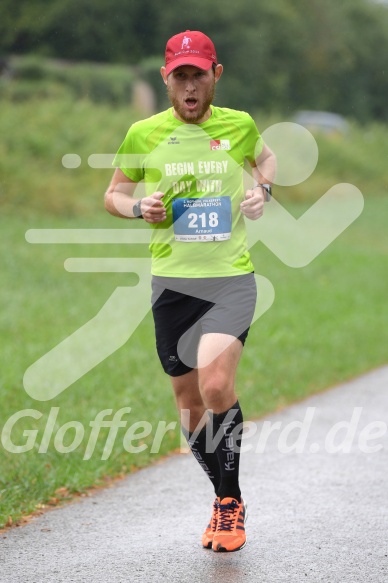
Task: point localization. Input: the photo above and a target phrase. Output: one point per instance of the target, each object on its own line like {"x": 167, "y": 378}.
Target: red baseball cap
{"x": 190, "y": 48}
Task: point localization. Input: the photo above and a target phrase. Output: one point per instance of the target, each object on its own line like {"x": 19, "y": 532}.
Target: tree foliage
{"x": 283, "y": 54}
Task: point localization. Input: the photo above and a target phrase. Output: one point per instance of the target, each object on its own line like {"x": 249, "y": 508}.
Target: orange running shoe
{"x": 207, "y": 537}
{"x": 230, "y": 532}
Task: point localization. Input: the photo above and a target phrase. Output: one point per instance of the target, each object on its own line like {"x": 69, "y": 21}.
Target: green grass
{"x": 328, "y": 322}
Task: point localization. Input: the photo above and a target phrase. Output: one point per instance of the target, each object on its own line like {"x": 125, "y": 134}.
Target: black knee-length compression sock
{"x": 201, "y": 448}
{"x": 227, "y": 430}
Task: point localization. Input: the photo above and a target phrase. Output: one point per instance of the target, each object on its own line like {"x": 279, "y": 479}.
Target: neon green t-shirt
{"x": 199, "y": 167}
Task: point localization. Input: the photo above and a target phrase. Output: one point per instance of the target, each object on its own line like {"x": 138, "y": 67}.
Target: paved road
{"x": 319, "y": 514}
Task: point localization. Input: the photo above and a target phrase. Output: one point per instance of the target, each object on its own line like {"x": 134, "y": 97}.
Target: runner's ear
{"x": 218, "y": 72}
{"x": 163, "y": 74}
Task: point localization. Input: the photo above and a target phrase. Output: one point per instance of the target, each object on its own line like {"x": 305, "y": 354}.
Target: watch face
{"x": 137, "y": 210}
{"x": 268, "y": 188}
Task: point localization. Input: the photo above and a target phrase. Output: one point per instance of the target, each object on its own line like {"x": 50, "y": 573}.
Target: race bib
{"x": 202, "y": 219}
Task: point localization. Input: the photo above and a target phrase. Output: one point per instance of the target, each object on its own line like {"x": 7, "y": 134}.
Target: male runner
{"x": 191, "y": 159}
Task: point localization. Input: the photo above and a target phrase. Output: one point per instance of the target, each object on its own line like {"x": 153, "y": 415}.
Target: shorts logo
{"x": 220, "y": 145}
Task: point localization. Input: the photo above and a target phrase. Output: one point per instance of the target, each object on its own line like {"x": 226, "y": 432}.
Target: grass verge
{"x": 328, "y": 323}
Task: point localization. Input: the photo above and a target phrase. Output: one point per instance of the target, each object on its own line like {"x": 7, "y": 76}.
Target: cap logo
{"x": 186, "y": 42}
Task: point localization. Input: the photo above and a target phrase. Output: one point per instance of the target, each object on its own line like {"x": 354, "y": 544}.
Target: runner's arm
{"x": 264, "y": 169}
{"x": 263, "y": 172}
{"x": 119, "y": 200}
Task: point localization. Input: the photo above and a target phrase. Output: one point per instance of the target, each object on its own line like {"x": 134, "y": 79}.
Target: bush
{"x": 99, "y": 83}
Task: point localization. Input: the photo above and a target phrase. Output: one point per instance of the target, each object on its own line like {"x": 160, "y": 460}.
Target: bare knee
{"x": 189, "y": 401}
{"x": 217, "y": 391}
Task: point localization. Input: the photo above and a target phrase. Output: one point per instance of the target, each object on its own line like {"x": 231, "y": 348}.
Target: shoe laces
{"x": 227, "y": 515}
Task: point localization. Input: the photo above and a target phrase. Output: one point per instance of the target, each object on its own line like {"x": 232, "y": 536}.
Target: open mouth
{"x": 191, "y": 102}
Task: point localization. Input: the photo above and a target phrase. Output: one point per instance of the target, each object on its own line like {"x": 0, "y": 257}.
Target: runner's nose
{"x": 190, "y": 86}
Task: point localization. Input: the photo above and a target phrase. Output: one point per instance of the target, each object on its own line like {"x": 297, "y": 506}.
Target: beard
{"x": 203, "y": 104}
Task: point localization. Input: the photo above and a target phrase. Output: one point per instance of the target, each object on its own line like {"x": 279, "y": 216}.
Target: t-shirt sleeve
{"x": 129, "y": 158}
{"x": 254, "y": 141}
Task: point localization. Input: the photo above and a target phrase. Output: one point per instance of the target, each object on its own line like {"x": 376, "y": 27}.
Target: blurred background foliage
{"x": 279, "y": 56}
{"x": 74, "y": 74}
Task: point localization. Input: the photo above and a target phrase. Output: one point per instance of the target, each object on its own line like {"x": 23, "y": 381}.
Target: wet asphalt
{"x": 315, "y": 478}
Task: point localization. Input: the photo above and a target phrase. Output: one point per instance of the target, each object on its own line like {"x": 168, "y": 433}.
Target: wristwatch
{"x": 137, "y": 210}
{"x": 268, "y": 189}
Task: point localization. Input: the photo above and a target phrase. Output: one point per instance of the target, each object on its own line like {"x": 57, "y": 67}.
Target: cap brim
{"x": 204, "y": 64}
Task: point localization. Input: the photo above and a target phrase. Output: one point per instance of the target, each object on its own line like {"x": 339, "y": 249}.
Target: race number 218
{"x": 193, "y": 218}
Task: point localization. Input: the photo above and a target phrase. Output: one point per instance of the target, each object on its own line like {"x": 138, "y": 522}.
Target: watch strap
{"x": 267, "y": 188}
{"x": 136, "y": 209}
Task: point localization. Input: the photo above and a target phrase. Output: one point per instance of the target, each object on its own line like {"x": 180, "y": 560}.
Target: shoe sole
{"x": 224, "y": 550}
